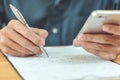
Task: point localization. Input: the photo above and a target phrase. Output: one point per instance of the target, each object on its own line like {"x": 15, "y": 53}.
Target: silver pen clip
{"x": 23, "y": 21}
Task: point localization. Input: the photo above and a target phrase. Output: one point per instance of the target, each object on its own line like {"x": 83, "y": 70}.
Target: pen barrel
{"x": 27, "y": 25}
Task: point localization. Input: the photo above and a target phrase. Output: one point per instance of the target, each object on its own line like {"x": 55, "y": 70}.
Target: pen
{"x": 23, "y": 21}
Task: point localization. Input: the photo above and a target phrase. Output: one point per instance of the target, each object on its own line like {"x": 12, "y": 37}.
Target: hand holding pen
{"x": 23, "y": 21}
{"x": 18, "y": 40}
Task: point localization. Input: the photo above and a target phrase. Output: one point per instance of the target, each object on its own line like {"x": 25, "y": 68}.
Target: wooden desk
{"x": 7, "y": 72}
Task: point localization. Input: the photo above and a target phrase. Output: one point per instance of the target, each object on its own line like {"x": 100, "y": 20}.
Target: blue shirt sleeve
{"x": 1, "y": 14}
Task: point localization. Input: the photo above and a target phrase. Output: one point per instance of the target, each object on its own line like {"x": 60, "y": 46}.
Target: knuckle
{"x": 108, "y": 39}
{"x": 5, "y": 32}
{"x": 13, "y": 22}
{"x": 2, "y": 41}
{"x": 112, "y": 29}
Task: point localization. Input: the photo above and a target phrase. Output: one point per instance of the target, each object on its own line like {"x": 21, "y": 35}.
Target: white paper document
{"x": 64, "y": 63}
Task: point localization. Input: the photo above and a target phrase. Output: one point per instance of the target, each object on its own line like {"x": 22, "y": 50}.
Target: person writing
{"x": 56, "y": 22}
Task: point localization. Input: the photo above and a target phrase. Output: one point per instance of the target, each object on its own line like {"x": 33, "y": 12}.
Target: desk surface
{"x": 7, "y": 72}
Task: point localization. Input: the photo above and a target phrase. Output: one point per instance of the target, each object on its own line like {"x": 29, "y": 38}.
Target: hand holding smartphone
{"x": 95, "y": 21}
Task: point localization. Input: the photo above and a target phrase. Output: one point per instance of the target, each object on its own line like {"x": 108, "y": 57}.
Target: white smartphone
{"x": 97, "y": 18}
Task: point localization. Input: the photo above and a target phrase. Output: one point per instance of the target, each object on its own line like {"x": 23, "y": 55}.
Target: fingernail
{"x": 105, "y": 28}
{"x": 81, "y": 37}
{"x": 76, "y": 43}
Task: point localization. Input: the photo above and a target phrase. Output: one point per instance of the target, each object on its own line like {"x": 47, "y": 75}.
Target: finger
{"x": 76, "y": 42}
{"x": 111, "y": 28}
{"x": 13, "y": 45}
{"x": 40, "y": 32}
{"x": 24, "y": 31}
{"x": 19, "y": 39}
{"x": 12, "y": 52}
{"x": 104, "y": 55}
{"x": 100, "y": 38}
{"x": 100, "y": 47}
